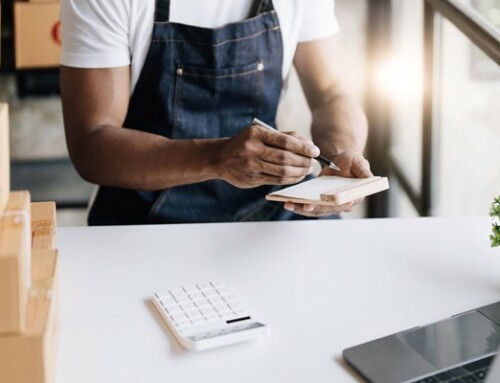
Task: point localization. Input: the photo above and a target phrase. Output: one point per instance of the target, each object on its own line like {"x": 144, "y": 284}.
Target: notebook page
{"x": 312, "y": 189}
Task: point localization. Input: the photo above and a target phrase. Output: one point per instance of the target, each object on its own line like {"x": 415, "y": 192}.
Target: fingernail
{"x": 309, "y": 209}
{"x": 316, "y": 151}
{"x": 311, "y": 170}
{"x": 289, "y": 207}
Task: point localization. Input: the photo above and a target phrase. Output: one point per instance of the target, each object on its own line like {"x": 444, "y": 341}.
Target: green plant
{"x": 495, "y": 214}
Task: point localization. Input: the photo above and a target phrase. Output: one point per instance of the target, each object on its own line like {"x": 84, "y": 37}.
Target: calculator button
{"x": 211, "y": 294}
{"x": 229, "y": 299}
{"x": 168, "y": 301}
{"x": 216, "y": 301}
{"x": 196, "y": 296}
{"x": 187, "y": 306}
{"x": 218, "y": 284}
{"x": 179, "y": 295}
{"x": 191, "y": 289}
{"x": 198, "y": 320}
{"x": 206, "y": 311}
{"x": 222, "y": 308}
{"x": 202, "y": 303}
{"x": 212, "y": 317}
{"x": 163, "y": 295}
{"x": 172, "y": 309}
{"x": 183, "y": 325}
{"x": 192, "y": 314}
{"x": 223, "y": 291}
{"x": 178, "y": 317}
{"x": 204, "y": 286}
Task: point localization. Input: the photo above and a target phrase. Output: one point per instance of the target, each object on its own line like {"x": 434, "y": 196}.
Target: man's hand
{"x": 260, "y": 156}
{"x": 339, "y": 124}
{"x": 352, "y": 165}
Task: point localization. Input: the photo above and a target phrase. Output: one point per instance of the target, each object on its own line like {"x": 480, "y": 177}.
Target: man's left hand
{"x": 352, "y": 165}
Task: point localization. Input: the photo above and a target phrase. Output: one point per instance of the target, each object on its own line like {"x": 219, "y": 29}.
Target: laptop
{"x": 460, "y": 349}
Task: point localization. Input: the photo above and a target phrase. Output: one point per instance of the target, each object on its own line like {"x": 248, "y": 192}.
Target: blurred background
{"x": 426, "y": 71}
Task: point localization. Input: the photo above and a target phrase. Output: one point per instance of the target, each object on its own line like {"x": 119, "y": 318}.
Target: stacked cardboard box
{"x": 29, "y": 298}
{"x": 0, "y": 33}
{"x": 15, "y": 256}
{"x": 4, "y": 156}
{"x": 43, "y": 221}
{"x": 30, "y": 357}
{"x": 37, "y": 34}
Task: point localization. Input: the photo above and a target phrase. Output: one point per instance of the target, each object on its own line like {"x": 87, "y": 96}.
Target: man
{"x": 159, "y": 96}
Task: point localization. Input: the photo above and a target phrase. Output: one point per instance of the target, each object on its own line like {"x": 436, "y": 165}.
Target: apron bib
{"x": 202, "y": 83}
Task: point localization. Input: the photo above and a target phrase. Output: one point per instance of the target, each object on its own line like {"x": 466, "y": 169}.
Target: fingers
{"x": 291, "y": 142}
{"x": 353, "y": 165}
{"x": 361, "y": 168}
{"x": 319, "y": 210}
{"x": 285, "y": 158}
{"x": 285, "y": 171}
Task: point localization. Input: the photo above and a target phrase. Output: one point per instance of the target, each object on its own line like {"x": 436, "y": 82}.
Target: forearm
{"x": 339, "y": 125}
{"x": 121, "y": 157}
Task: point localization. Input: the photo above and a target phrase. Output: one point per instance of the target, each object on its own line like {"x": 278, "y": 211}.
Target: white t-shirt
{"x": 114, "y": 33}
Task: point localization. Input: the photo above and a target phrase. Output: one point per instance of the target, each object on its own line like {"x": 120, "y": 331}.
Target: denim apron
{"x": 202, "y": 83}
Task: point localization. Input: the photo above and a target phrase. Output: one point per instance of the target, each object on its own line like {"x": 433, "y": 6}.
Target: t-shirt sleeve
{"x": 319, "y": 20}
{"x": 95, "y": 33}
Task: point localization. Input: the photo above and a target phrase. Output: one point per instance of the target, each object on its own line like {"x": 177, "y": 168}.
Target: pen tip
{"x": 334, "y": 167}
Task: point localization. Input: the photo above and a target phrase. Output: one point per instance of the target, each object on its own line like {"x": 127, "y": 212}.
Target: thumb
{"x": 361, "y": 168}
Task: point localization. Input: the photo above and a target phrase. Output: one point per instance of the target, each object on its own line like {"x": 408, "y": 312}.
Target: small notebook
{"x": 330, "y": 190}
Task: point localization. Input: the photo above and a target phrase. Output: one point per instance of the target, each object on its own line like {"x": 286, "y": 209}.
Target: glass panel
{"x": 401, "y": 77}
{"x": 489, "y": 9}
{"x": 400, "y": 205}
{"x": 482, "y": 68}
{"x": 468, "y": 175}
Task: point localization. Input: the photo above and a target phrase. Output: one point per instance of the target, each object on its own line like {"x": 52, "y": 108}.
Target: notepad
{"x": 330, "y": 190}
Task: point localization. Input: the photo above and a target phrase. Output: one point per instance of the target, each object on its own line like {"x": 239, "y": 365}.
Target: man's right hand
{"x": 260, "y": 156}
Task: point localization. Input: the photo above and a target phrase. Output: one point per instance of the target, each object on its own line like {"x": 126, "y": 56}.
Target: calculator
{"x": 207, "y": 315}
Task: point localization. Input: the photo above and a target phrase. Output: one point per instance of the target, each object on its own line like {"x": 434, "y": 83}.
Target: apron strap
{"x": 261, "y": 6}
{"x": 162, "y": 13}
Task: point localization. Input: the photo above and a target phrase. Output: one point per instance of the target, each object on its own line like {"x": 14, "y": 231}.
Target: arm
{"x": 95, "y": 103}
{"x": 339, "y": 126}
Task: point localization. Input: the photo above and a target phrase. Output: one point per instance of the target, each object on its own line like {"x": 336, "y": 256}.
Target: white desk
{"x": 322, "y": 286}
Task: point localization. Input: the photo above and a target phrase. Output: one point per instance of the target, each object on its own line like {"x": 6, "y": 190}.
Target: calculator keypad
{"x": 195, "y": 305}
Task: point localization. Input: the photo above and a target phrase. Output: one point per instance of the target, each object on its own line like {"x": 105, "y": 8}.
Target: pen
{"x": 322, "y": 160}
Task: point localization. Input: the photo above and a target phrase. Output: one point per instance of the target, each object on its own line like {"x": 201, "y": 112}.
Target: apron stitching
{"x": 261, "y": 80}
{"x": 222, "y": 76}
{"x": 158, "y": 203}
{"x": 273, "y": 29}
{"x": 178, "y": 88}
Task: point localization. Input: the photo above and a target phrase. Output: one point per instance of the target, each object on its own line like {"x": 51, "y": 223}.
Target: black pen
{"x": 322, "y": 160}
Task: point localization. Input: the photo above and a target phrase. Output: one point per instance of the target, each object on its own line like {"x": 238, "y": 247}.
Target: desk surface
{"x": 322, "y": 286}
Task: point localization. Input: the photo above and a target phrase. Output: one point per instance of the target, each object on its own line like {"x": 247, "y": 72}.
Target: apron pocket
{"x": 213, "y": 103}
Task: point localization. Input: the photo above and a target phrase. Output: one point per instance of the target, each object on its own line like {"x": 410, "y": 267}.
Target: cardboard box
{"x": 43, "y": 225}
{"x": 31, "y": 357}
{"x": 15, "y": 261}
{"x": 37, "y": 34}
{"x": 4, "y": 156}
{"x": 0, "y": 33}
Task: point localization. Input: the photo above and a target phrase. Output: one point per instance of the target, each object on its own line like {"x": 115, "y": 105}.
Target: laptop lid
{"x": 420, "y": 352}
